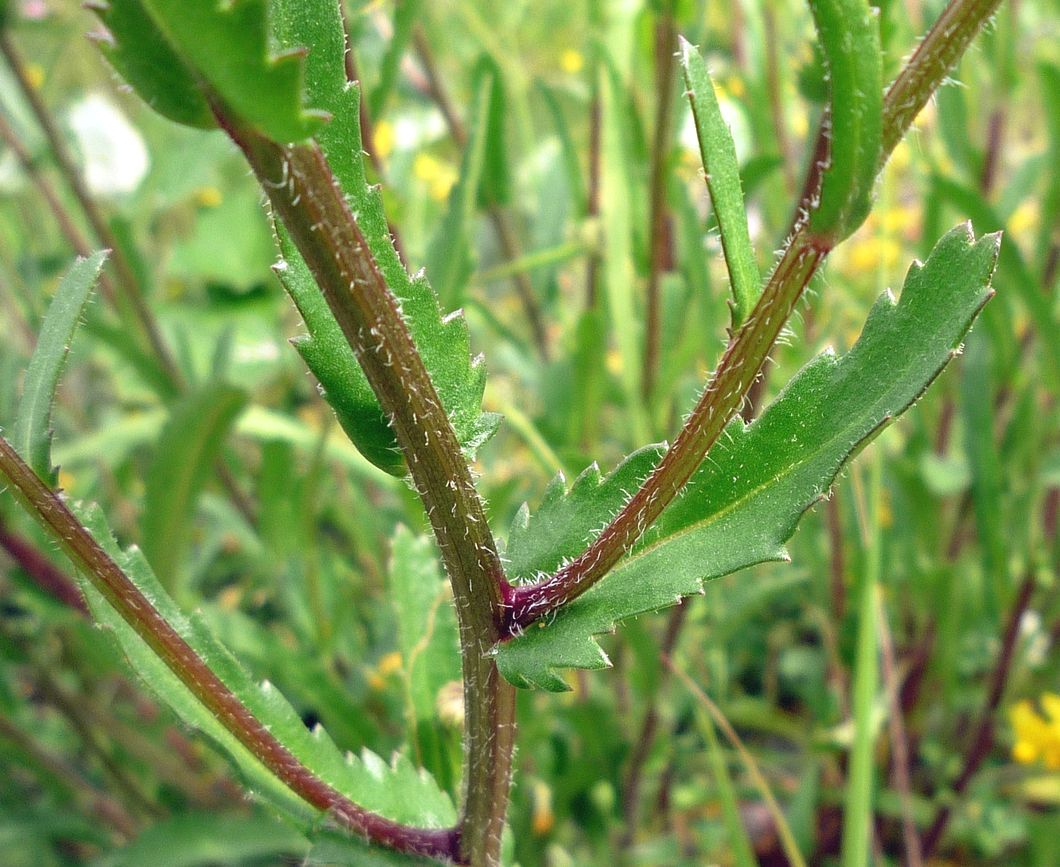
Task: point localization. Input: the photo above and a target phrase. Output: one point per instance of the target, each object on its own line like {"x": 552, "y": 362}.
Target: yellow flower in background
{"x": 867, "y": 255}
{"x": 383, "y": 138}
{"x": 35, "y": 75}
{"x": 1024, "y": 218}
{"x": 571, "y": 61}
{"x": 388, "y": 665}
{"x": 438, "y": 176}
{"x": 208, "y": 197}
{"x": 1037, "y": 736}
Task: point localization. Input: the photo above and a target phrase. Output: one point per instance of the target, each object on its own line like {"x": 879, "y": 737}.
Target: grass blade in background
{"x": 32, "y": 433}
{"x": 723, "y": 180}
{"x": 619, "y": 271}
{"x": 858, "y": 800}
{"x": 450, "y": 257}
{"x": 186, "y": 450}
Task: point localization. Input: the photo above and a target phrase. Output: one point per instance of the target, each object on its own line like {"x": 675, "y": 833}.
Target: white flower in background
{"x": 113, "y": 154}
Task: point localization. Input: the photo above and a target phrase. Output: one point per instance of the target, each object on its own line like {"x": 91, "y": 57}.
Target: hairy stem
{"x": 751, "y": 344}
{"x": 302, "y": 190}
{"x": 121, "y": 594}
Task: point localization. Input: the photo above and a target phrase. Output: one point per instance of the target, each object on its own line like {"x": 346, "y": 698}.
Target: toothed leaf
{"x": 396, "y": 790}
{"x": 745, "y": 500}
{"x": 181, "y": 55}
{"x": 443, "y": 341}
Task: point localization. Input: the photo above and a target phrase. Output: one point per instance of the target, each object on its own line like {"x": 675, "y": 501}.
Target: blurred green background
{"x": 283, "y": 540}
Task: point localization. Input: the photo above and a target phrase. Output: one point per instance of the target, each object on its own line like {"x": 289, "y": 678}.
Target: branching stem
{"x": 750, "y": 345}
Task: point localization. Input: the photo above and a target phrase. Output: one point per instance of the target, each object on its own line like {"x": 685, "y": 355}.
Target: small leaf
{"x": 723, "y": 180}
{"x": 32, "y": 433}
{"x": 850, "y": 39}
{"x": 443, "y": 342}
{"x": 397, "y": 791}
{"x": 189, "y": 443}
{"x": 220, "y": 49}
{"x": 745, "y": 500}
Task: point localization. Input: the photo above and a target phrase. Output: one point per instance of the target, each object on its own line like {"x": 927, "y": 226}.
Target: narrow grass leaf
{"x": 32, "y": 433}
{"x": 739, "y": 843}
{"x": 450, "y": 257}
{"x": 406, "y": 14}
{"x": 722, "y": 173}
{"x": 746, "y": 499}
{"x": 857, "y": 812}
{"x": 190, "y": 442}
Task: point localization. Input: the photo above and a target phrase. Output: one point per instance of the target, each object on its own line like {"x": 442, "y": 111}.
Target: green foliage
{"x": 189, "y": 444}
{"x": 746, "y": 499}
{"x": 395, "y": 790}
{"x": 32, "y": 432}
{"x": 300, "y": 549}
{"x": 203, "y": 54}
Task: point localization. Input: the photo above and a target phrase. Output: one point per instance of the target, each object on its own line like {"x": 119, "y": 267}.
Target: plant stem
{"x": 659, "y": 220}
{"x": 751, "y": 344}
{"x": 41, "y": 570}
{"x": 302, "y": 190}
{"x": 900, "y": 773}
{"x": 502, "y": 225}
{"x": 937, "y": 53}
{"x": 120, "y": 592}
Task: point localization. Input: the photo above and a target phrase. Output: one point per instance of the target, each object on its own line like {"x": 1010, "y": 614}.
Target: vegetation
{"x": 366, "y": 586}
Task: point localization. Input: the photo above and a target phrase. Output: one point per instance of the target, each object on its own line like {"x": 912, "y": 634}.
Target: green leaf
{"x": 194, "y": 839}
{"x": 427, "y": 633}
{"x": 186, "y": 450}
{"x": 450, "y": 258}
{"x": 850, "y": 39}
{"x": 32, "y": 433}
{"x": 396, "y": 790}
{"x": 142, "y": 56}
{"x": 406, "y": 13}
{"x": 745, "y": 500}
{"x": 443, "y": 342}
{"x": 494, "y": 188}
{"x": 223, "y": 51}
{"x": 723, "y": 180}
